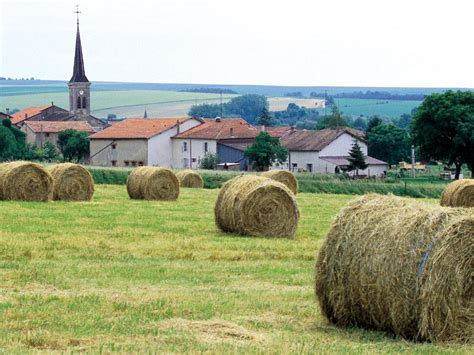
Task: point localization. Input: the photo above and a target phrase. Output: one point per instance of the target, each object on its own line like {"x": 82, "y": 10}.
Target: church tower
{"x": 79, "y": 85}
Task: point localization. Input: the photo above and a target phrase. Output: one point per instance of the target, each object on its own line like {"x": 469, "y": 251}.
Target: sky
{"x": 385, "y": 43}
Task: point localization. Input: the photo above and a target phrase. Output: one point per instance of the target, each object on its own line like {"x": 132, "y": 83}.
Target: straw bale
{"x": 257, "y": 206}
{"x": 459, "y": 193}
{"x": 189, "y": 178}
{"x": 286, "y": 177}
{"x": 71, "y": 182}
{"x": 152, "y": 183}
{"x": 377, "y": 268}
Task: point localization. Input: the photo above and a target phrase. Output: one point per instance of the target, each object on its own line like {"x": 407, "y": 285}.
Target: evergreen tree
{"x": 265, "y": 119}
{"x": 356, "y": 158}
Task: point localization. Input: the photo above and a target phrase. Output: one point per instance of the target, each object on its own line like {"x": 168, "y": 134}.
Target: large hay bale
{"x": 25, "y": 181}
{"x": 151, "y": 183}
{"x": 459, "y": 193}
{"x": 383, "y": 263}
{"x": 254, "y": 205}
{"x": 189, "y": 178}
{"x": 71, "y": 182}
{"x": 286, "y": 177}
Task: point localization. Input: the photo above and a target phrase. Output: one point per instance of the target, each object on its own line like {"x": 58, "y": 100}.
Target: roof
{"x": 340, "y": 161}
{"x": 78, "y": 73}
{"x": 278, "y": 131}
{"x": 59, "y": 126}
{"x": 138, "y": 128}
{"x": 26, "y": 113}
{"x": 309, "y": 140}
{"x": 221, "y": 128}
{"x": 238, "y": 145}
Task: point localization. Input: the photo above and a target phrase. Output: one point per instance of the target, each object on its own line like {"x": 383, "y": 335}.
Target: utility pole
{"x": 222, "y": 108}
{"x": 413, "y": 161}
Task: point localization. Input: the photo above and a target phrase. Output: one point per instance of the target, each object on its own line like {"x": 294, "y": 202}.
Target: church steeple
{"x": 79, "y": 73}
{"x": 79, "y": 85}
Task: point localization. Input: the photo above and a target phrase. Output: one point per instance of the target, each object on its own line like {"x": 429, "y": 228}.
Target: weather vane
{"x": 77, "y": 12}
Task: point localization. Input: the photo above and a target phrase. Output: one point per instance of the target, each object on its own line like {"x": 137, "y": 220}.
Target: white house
{"x": 190, "y": 146}
{"x": 326, "y": 151}
{"x": 138, "y": 141}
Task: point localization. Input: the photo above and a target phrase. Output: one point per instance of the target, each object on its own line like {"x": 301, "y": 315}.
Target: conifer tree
{"x": 356, "y": 158}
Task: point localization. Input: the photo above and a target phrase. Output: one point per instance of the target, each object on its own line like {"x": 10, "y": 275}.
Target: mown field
{"x": 122, "y": 275}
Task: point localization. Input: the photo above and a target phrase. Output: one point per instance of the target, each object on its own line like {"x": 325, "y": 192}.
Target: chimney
{"x": 292, "y": 128}
{"x": 26, "y": 116}
{"x": 231, "y": 132}
{"x": 262, "y": 128}
{"x": 177, "y": 126}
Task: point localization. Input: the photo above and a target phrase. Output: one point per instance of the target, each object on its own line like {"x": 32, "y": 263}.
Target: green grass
{"x": 138, "y": 276}
{"x": 371, "y": 107}
{"x": 314, "y": 183}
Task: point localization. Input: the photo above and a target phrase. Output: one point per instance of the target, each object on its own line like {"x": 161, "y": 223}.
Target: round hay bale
{"x": 286, "y": 177}
{"x": 71, "y": 182}
{"x": 190, "y": 178}
{"x": 459, "y": 193}
{"x": 151, "y": 183}
{"x": 25, "y": 181}
{"x": 254, "y": 205}
{"x": 377, "y": 267}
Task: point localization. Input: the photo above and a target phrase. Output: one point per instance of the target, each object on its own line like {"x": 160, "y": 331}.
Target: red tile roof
{"x": 59, "y": 126}
{"x": 309, "y": 140}
{"x": 138, "y": 128}
{"x": 223, "y": 128}
{"x": 27, "y": 113}
{"x": 278, "y": 131}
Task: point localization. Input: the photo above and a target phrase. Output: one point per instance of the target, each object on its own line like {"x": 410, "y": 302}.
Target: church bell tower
{"x": 79, "y": 85}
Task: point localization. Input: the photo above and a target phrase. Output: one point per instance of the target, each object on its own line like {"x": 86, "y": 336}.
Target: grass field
{"x": 122, "y": 275}
{"x": 370, "y": 107}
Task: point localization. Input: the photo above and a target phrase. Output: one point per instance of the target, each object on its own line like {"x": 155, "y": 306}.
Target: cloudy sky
{"x": 415, "y": 43}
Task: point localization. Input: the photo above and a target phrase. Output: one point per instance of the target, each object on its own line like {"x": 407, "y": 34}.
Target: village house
{"x": 138, "y": 141}
{"x": 40, "y": 132}
{"x": 225, "y": 137}
{"x": 326, "y": 151}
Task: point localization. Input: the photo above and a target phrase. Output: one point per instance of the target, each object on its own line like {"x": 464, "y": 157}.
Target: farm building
{"x": 138, "y": 141}
{"x": 216, "y": 136}
{"x": 326, "y": 151}
{"x": 40, "y": 132}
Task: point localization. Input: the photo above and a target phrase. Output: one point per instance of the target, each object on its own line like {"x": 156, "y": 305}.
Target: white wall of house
{"x": 187, "y": 153}
{"x": 341, "y": 146}
{"x": 133, "y": 151}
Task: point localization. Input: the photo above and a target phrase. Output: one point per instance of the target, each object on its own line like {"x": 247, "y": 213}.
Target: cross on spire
{"x": 77, "y": 12}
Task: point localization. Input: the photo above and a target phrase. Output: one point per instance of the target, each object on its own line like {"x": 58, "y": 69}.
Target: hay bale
{"x": 383, "y": 260}
{"x": 459, "y": 193}
{"x": 71, "y": 182}
{"x": 286, "y": 177}
{"x": 190, "y": 178}
{"x": 254, "y": 205}
{"x": 151, "y": 183}
{"x": 25, "y": 181}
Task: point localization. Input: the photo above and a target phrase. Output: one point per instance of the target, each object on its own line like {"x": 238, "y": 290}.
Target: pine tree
{"x": 265, "y": 119}
{"x": 356, "y": 158}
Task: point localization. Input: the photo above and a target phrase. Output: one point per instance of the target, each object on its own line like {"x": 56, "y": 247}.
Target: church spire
{"x": 79, "y": 73}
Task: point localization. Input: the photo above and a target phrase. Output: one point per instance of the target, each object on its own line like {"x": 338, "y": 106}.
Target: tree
{"x": 209, "y": 161}
{"x": 356, "y": 158}
{"x": 373, "y": 122}
{"x": 389, "y": 143}
{"x": 74, "y": 145}
{"x": 334, "y": 120}
{"x": 248, "y": 107}
{"x": 265, "y": 151}
{"x": 206, "y": 111}
{"x": 265, "y": 119}
{"x": 403, "y": 121}
{"x": 443, "y": 128}
{"x": 360, "y": 123}
{"x": 12, "y": 141}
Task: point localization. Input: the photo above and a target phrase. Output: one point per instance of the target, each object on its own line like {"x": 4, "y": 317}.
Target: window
{"x": 79, "y": 102}
{"x": 309, "y": 167}
{"x": 114, "y": 145}
{"x": 114, "y": 162}
{"x": 185, "y": 146}
{"x": 84, "y": 102}
{"x": 127, "y": 163}
{"x": 294, "y": 166}
{"x": 140, "y": 163}
{"x": 134, "y": 163}
{"x": 206, "y": 149}
{"x": 47, "y": 134}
